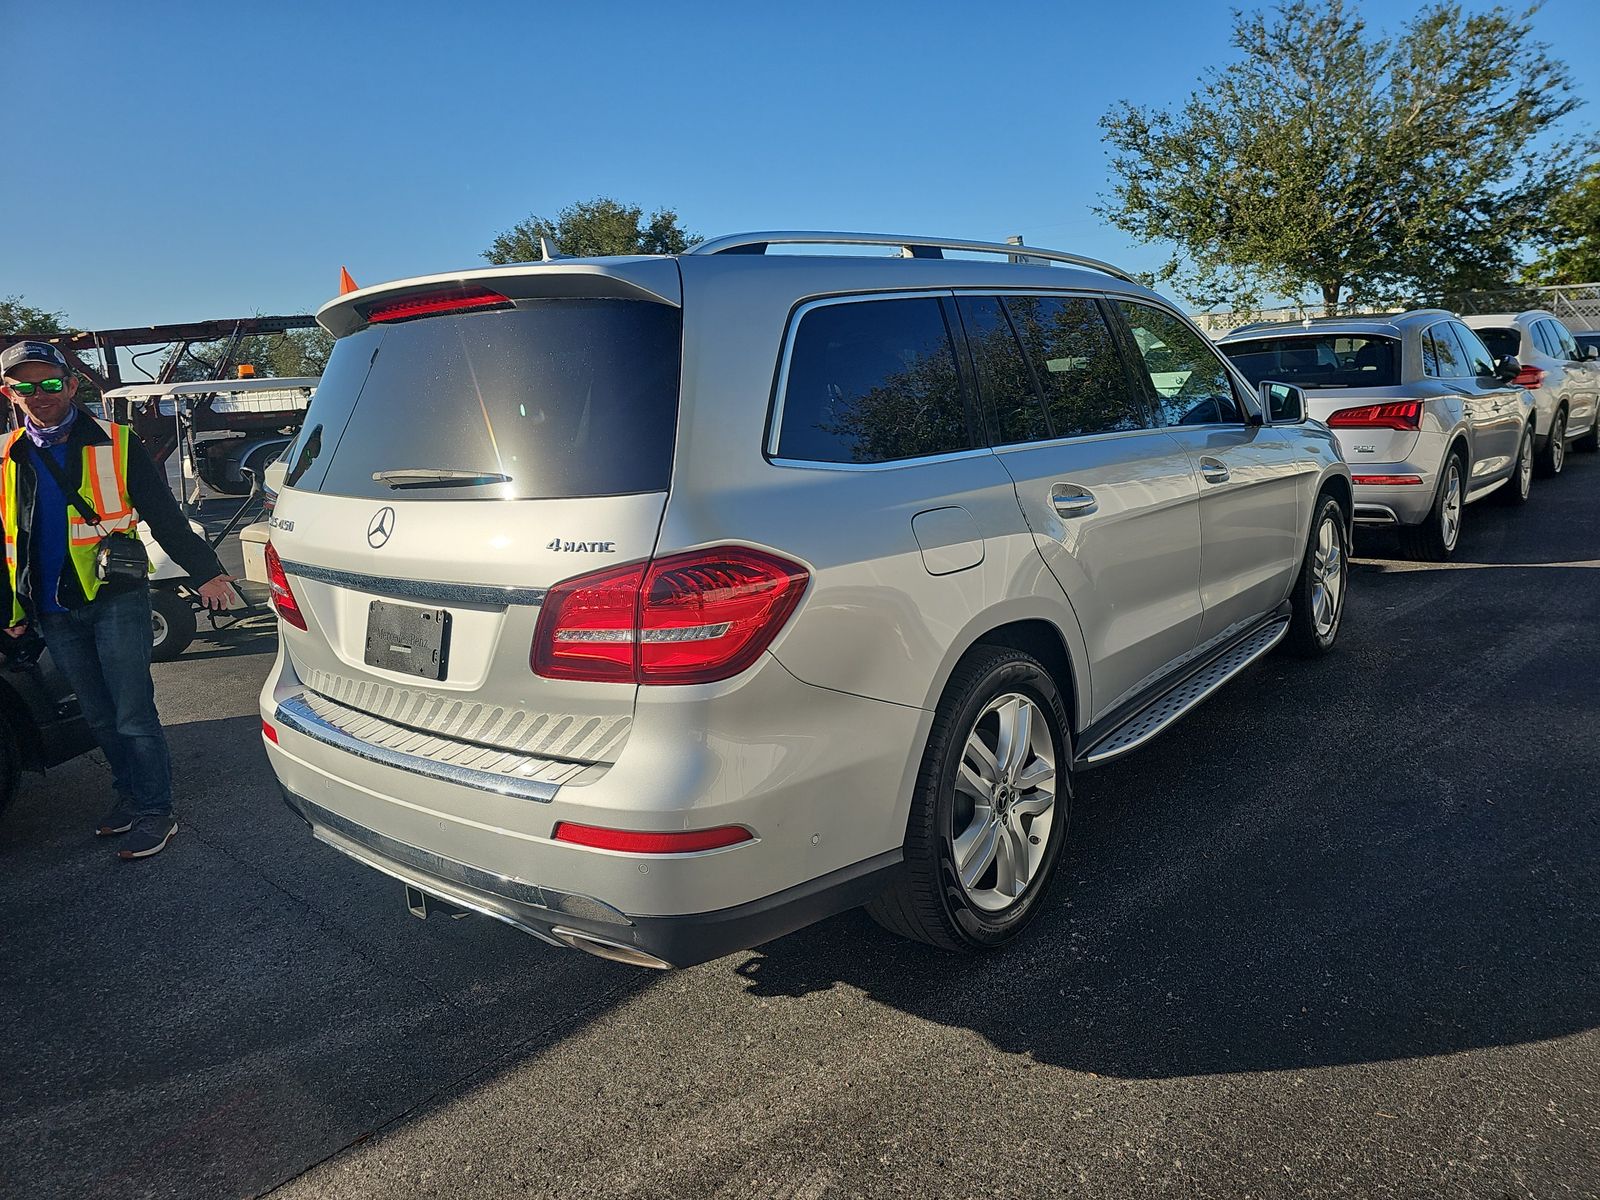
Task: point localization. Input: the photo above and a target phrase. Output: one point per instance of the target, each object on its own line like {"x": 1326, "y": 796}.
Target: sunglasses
{"x": 48, "y": 386}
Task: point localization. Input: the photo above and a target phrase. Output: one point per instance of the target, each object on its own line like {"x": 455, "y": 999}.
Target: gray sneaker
{"x": 149, "y": 835}
{"x": 119, "y": 820}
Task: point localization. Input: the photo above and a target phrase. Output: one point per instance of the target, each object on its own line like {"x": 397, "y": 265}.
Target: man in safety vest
{"x": 98, "y": 631}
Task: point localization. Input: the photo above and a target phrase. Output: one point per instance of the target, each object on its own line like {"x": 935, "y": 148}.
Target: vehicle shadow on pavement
{"x": 1372, "y": 857}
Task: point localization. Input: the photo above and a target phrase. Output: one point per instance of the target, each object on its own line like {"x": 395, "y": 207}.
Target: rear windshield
{"x": 1319, "y": 360}
{"x": 1502, "y": 343}
{"x": 551, "y": 399}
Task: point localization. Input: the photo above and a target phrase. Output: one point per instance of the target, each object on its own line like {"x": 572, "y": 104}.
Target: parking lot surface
{"x": 1335, "y": 934}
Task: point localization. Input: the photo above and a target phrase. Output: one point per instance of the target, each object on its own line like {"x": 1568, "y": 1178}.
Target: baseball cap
{"x": 26, "y": 352}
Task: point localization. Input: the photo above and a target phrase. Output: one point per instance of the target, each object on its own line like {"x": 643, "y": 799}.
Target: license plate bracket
{"x": 412, "y": 641}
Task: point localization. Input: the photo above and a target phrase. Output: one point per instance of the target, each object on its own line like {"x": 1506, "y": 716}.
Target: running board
{"x": 1187, "y": 693}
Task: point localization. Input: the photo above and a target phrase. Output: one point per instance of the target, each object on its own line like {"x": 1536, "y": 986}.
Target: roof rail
{"x": 910, "y": 247}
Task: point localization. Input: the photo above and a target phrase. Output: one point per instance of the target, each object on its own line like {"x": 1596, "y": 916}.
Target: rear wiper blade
{"x": 415, "y": 477}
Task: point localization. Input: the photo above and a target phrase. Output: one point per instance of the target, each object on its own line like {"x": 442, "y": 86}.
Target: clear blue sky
{"x": 227, "y": 159}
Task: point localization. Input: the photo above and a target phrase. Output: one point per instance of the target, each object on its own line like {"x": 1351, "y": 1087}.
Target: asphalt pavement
{"x": 1334, "y": 935}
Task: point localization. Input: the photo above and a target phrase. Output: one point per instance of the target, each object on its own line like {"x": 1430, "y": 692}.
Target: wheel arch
{"x": 1060, "y": 651}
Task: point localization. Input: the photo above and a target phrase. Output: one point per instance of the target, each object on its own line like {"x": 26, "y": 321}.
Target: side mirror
{"x": 1284, "y": 403}
{"x": 1591, "y": 353}
{"x": 1507, "y": 369}
{"x": 272, "y": 477}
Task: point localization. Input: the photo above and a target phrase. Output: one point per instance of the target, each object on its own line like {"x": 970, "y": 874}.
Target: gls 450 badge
{"x": 581, "y": 547}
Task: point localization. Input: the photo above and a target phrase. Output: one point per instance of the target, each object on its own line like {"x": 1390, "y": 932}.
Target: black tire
{"x": 1313, "y": 628}
{"x": 1553, "y": 458}
{"x": 1432, "y": 540}
{"x": 1590, "y": 442}
{"x": 1520, "y": 486}
{"x": 172, "y": 625}
{"x": 928, "y": 902}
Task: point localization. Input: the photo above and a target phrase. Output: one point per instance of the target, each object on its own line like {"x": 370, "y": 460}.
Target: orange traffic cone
{"x": 346, "y": 284}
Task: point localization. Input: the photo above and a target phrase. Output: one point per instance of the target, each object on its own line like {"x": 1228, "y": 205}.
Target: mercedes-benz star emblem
{"x": 382, "y": 526}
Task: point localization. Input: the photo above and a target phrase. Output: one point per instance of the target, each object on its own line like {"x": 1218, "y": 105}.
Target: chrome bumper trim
{"x": 486, "y": 892}
{"x": 420, "y": 589}
{"x": 294, "y": 713}
{"x": 1374, "y": 514}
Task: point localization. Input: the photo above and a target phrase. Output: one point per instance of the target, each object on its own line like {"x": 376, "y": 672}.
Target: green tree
{"x": 1572, "y": 254}
{"x": 19, "y": 317}
{"x": 593, "y": 227}
{"x": 1328, "y": 159}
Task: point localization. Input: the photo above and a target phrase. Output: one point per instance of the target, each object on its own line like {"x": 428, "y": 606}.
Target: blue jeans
{"x": 103, "y": 649}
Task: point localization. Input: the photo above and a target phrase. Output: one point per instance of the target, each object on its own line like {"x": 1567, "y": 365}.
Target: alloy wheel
{"x": 159, "y": 631}
{"x": 1558, "y": 444}
{"x": 1328, "y": 571}
{"x": 1525, "y": 466}
{"x": 1005, "y": 799}
{"x": 1450, "y": 510}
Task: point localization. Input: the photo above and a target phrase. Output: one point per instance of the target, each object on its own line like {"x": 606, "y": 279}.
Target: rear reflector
{"x": 268, "y": 732}
{"x": 684, "y": 618}
{"x": 1386, "y": 480}
{"x": 288, "y": 608}
{"x": 434, "y": 303}
{"x": 633, "y": 842}
{"x": 1402, "y": 414}
{"x": 1529, "y": 377}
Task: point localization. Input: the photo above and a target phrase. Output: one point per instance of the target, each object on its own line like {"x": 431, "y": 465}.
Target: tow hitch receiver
{"x": 423, "y": 906}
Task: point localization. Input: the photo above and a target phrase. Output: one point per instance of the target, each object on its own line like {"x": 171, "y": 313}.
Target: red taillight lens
{"x": 683, "y": 842}
{"x": 1529, "y": 377}
{"x": 282, "y": 595}
{"x": 588, "y": 627}
{"x": 686, "y": 618}
{"x": 433, "y": 303}
{"x": 1402, "y": 414}
{"x": 1386, "y": 480}
{"x": 268, "y": 732}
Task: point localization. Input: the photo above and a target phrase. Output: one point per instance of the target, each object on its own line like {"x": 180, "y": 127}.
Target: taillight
{"x": 685, "y": 841}
{"x": 1529, "y": 377}
{"x": 686, "y": 618}
{"x": 1386, "y": 480}
{"x": 282, "y": 595}
{"x": 433, "y": 303}
{"x": 1402, "y": 414}
{"x": 268, "y": 732}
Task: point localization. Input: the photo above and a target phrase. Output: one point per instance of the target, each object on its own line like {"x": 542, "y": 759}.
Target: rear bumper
{"x": 822, "y": 780}
{"x": 555, "y": 916}
{"x": 1405, "y": 504}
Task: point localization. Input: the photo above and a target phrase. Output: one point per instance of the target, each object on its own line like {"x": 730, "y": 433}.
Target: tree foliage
{"x": 1573, "y": 252}
{"x": 1364, "y": 167}
{"x": 16, "y": 316}
{"x": 593, "y": 227}
{"x": 294, "y": 353}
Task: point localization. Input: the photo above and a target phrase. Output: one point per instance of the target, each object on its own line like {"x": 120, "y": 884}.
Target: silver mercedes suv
{"x": 661, "y": 605}
{"x": 1428, "y": 419}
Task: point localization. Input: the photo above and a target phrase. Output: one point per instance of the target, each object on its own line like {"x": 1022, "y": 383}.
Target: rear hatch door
{"x": 455, "y": 464}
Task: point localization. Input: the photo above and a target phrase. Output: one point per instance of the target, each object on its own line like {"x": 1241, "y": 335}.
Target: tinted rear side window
{"x": 872, "y": 381}
{"x": 1070, "y": 347}
{"x": 1329, "y": 360}
{"x": 1502, "y": 342}
{"x": 563, "y": 398}
{"x": 1448, "y": 352}
{"x": 1004, "y": 377}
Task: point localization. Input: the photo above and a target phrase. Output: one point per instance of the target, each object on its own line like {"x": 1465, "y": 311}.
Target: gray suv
{"x": 661, "y": 605}
{"x": 1427, "y": 418}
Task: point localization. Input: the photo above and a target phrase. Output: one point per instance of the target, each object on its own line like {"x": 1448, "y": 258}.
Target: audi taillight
{"x": 684, "y": 618}
{"x": 282, "y": 594}
{"x": 1401, "y": 414}
{"x": 431, "y": 304}
{"x": 1529, "y": 377}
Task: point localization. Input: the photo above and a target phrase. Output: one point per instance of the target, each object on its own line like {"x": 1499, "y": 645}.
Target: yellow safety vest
{"x": 104, "y": 486}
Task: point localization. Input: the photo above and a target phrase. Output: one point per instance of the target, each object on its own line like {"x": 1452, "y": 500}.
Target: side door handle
{"x": 1070, "y": 500}
{"x": 1213, "y": 471}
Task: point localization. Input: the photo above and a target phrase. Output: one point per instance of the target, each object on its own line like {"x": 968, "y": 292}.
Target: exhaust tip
{"x": 601, "y": 948}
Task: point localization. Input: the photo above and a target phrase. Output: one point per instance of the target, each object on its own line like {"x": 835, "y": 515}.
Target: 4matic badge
{"x": 581, "y": 547}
